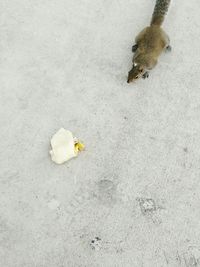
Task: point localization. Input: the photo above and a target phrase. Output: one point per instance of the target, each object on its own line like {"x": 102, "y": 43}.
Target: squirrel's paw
{"x": 145, "y": 75}
{"x": 134, "y": 48}
{"x": 168, "y": 48}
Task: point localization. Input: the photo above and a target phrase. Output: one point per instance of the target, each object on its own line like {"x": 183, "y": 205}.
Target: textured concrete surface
{"x": 133, "y": 197}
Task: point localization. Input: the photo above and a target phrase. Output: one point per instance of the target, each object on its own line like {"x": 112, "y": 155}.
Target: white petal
{"x": 62, "y": 146}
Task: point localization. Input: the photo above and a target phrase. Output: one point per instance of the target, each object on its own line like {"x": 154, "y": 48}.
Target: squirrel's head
{"x": 136, "y": 72}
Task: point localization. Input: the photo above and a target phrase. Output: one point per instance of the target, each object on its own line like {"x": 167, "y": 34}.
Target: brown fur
{"x": 151, "y": 42}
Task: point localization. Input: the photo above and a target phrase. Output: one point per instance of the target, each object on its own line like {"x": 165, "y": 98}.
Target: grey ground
{"x": 133, "y": 197}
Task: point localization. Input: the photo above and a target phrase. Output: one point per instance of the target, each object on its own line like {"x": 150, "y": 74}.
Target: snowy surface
{"x": 133, "y": 197}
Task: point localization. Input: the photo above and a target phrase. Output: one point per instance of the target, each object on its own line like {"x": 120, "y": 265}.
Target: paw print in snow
{"x": 95, "y": 243}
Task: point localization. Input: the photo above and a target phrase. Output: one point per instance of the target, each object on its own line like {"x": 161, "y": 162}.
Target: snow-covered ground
{"x": 132, "y": 198}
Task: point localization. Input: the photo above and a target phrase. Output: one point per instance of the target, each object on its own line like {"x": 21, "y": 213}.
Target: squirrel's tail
{"x": 160, "y": 11}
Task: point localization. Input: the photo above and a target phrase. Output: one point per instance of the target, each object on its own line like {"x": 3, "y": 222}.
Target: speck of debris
{"x": 185, "y": 149}
{"x": 119, "y": 250}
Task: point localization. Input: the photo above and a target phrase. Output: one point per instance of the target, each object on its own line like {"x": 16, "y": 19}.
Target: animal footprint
{"x": 96, "y": 243}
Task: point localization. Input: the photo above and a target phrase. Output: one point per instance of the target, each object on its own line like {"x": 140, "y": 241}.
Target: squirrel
{"x": 150, "y": 43}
